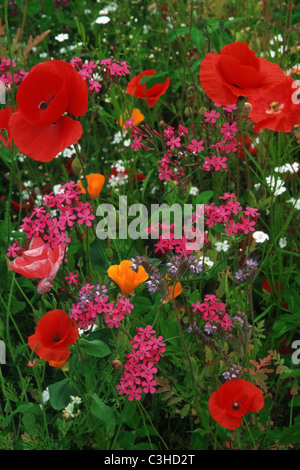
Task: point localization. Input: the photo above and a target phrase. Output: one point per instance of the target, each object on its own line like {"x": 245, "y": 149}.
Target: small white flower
{"x": 260, "y": 237}
{"x": 276, "y": 185}
{"x": 282, "y": 242}
{"x": 62, "y": 37}
{"x": 76, "y": 400}
{"x": 208, "y": 262}
{"x": 288, "y": 167}
{"x": 295, "y": 202}
{"x": 222, "y": 246}
{"x": 103, "y": 20}
{"x": 194, "y": 191}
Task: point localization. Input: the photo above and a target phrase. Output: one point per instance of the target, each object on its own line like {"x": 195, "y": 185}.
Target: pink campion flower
{"x": 116, "y": 314}
{"x": 129, "y": 123}
{"x": 232, "y": 227}
{"x": 230, "y": 146}
{"x": 94, "y": 86}
{"x": 247, "y": 225}
{"x": 39, "y": 262}
{"x": 168, "y": 132}
{"x": 136, "y": 144}
{"x": 212, "y": 310}
{"x": 182, "y": 130}
{"x": 165, "y": 173}
{"x": 85, "y": 216}
{"x": 227, "y": 196}
{"x": 72, "y": 278}
{"x": 174, "y": 142}
{"x": 215, "y": 163}
{"x": 229, "y": 130}
{"x": 196, "y": 146}
{"x": 14, "y": 250}
{"x": 211, "y": 116}
{"x": 230, "y": 107}
{"x": 252, "y": 212}
{"x": 86, "y": 288}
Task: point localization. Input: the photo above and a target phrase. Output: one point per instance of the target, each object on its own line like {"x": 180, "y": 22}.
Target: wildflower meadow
{"x": 150, "y": 224}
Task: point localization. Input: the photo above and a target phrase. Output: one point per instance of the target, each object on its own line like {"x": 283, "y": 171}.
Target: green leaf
{"x": 290, "y": 435}
{"x": 126, "y": 439}
{"x": 128, "y": 411}
{"x": 20, "y": 409}
{"x": 96, "y": 347}
{"x": 60, "y": 393}
{"x": 141, "y": 304}
{"x": 292, "y": 298}
{"x": 197, "y": 38}
{"x": 204, "y": 197}
{"x": 169, "y": 331}
{"x": 97, "y": 255}
{"x": 104, "y": 413}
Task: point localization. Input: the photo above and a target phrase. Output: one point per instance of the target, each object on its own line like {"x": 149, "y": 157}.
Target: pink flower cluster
{"x": 178, "y": 145}
{"x": 54, "y": 230}
{"x": 92, "y": 303}
{"x": 231, "y": 214}
{"x": 110, "y": 71}
{"x": 169, "y": 242}
{"x": 5, "y": 72}
{"x": 212, "y": 310}
{"x": 141, "y": 364}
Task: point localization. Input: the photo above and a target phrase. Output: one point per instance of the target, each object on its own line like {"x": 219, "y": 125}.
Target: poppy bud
{"x": 116, "y": 364}
{"x": 76, "y": 166}
{"x": 188, "y": 112}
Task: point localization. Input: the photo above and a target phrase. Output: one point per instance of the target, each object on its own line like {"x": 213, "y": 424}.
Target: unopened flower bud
{"x": 76, "y": 166}
{"x": 116, "y": 364}
{"x": 188, "y": 112}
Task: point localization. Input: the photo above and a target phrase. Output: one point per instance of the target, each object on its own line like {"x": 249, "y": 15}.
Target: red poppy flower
{"x": 233, "y": 400}
{"x": 276, "y": 109}
{"x": 39, "y": 127}
{"x": 235, "y": 72}
{"x": 151, "y": 95}
{"x": 5, "y": 136}
{"x": 55, "y": 331}
{"x": 39, "y": 262}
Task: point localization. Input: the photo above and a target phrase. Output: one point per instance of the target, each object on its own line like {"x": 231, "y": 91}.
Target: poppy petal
{"x": 44, "y": 143}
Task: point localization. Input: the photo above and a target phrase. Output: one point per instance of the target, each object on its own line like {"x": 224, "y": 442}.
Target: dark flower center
{"x": 236, "y": 405}
{"x": 44, "y": 104}
{"x": 56, "y": 338}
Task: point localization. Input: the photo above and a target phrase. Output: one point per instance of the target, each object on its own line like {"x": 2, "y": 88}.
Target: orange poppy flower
{"x": 95, "y": 184}
{"x": 125, "y": 277}
{"x": 136, "y": 115}
{"x": 173, "y": 293}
